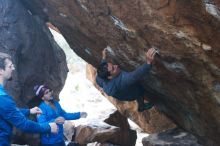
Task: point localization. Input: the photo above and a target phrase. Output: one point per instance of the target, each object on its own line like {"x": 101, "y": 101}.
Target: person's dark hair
{"x": 102, "y": 70}
{"x": 3, "y": 57}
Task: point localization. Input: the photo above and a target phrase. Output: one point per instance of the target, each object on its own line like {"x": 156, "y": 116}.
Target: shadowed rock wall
{"x": 36, "y": 56}
{"x": 185, "y": 80}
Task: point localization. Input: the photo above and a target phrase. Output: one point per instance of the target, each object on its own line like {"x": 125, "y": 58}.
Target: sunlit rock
{"x": 125, "y": 136}
{"x": 96, "y": 132}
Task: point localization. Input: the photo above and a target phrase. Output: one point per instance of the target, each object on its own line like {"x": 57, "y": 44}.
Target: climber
{"x": 52, "y": 111}
{"x": 122, "y": 85}
{"x": 10, "y": 115}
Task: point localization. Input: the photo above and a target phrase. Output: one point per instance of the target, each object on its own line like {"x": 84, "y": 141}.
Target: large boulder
{"x": 95, "y": 132}
{"x": 172, "y": 137}
{"x": 116, "y": 132}
{"x": 125, "y": 136}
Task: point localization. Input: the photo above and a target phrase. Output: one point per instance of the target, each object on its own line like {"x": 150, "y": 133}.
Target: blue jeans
{"x": 56, "y": 144}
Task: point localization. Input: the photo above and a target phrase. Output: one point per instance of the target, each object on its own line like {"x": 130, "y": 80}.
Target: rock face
{"x": 96, "y": 132}
{"x": 125, "y": 136}
{"x": 36, "y": 56}
{"x": 174, "y": 137}
{"x": 185, "y": 80}
{"x": 116, "y": 132}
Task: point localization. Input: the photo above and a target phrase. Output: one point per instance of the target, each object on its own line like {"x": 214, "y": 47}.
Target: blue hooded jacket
{"x": 49, "y": 115}
{"x": 11, "y": 116}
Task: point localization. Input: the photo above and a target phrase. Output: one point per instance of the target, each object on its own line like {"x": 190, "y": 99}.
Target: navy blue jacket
{"x": 125, "y": 86}
{"x": 11, "y": 116}
{"x": 49, "y": 115}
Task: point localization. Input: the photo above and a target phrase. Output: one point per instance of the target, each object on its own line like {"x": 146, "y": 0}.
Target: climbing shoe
{"x": 148, "y": 105}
